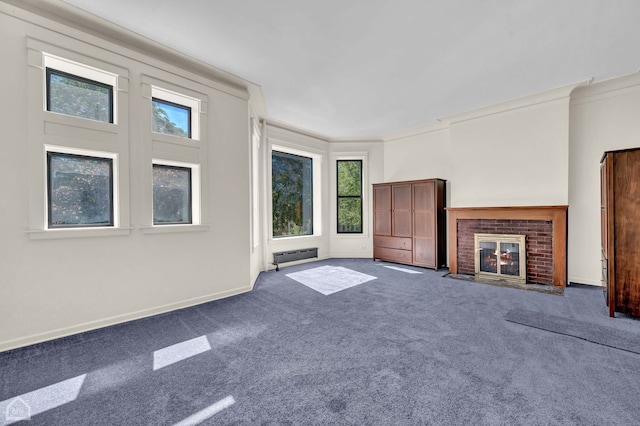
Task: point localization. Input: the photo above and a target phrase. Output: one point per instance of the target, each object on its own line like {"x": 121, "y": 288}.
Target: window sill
{"x": 292, "y": 237}
{"x": 352, "y": 235}
{"x": 163, "y": 229}
{"x": 49, "y": 234}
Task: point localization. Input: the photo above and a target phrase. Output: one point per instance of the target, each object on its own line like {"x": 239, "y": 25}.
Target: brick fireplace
{"x": 544, "y": 228}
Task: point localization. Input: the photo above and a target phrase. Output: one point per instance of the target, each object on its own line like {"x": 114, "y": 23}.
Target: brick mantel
{"x": 556, "y": 214}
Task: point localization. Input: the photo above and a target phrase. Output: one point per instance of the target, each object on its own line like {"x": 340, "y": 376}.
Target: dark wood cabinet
{"x": 620, "y": 233}
{"x": 409, "y": 222}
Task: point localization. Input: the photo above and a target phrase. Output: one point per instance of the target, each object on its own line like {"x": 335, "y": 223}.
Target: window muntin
{"x": 292, "y": 192}
{"x": 79, "y": 191}
{"x": 349, "y": 203}
{"x": 171, "y": 118}
{"x": 172, "y": 195}
{"x": 78, "y": 96}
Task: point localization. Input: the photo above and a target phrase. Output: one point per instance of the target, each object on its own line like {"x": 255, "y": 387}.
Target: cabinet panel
{"x": 393, "y": 255}
{"x": 401, "y": 211}
{"x": 382, "y": 210}
{"x": 424, "y": 252}
{"x": 393, "y": 242}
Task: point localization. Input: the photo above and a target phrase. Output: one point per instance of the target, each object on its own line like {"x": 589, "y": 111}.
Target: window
{"x": 175, "y": 114}
{"x": 292, "y": 192}
{"x": 78, "y": 96}
{"x": 79, "y": 190}
{"x": 171, "y": 118}
{"x": 349, "y": 196}
{"x": 172, "y": 195}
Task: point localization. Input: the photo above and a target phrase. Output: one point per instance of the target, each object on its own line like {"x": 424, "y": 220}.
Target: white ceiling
{"x": 360, "y": 68}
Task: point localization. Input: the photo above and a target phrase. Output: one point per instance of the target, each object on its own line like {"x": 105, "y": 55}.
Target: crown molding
{"x": 63, "y": 18}
{"x": 607, "y": 88}
{"x": 430, "y": 128}
{"x": 557, "y": 94}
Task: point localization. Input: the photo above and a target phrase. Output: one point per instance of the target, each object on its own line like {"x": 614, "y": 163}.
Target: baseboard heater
{"x": 290, "y": 256}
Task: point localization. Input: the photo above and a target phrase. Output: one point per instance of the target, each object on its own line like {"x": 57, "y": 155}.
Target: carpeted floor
{"x": 414, "y": 349}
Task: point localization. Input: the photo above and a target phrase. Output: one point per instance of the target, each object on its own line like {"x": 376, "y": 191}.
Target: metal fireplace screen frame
{"x": 501, "y": 259}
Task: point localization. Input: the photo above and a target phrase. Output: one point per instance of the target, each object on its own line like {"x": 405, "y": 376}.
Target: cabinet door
{"x": 424, "y": 210}
{"x": 401, "y": 211}
{"x": 382, "y": 209}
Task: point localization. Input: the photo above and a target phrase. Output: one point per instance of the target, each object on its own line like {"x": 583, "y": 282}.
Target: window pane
{"x": 349, "y": 178}
{"x": 510, "y": 259}
{"x": 171, "y": 119}
{"x": 350, "y": 215}
{"x": 171, "y": 195}
{"x": 80, "y": 190}
{"x": 80, "y": 97}
{"x": 349, "y": 174}
{"x": 488, "y": 257}
{"x": 292, "y": 195}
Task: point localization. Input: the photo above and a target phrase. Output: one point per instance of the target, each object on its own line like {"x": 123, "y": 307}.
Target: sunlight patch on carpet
{"x": 330, "y": 279}
{"x": 397, "y": 268}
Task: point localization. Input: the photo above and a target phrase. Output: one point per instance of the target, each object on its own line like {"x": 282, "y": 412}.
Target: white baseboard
{"x": 118, "y": 319}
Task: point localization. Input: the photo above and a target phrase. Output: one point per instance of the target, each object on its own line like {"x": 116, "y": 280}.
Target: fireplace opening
{"x": 500, "y": 256}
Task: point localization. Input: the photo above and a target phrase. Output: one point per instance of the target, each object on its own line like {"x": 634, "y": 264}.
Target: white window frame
{"x": 87, "y": 153}
{"x": 255, "y": 182}
{"x": 184, "y": 100}
{"x": 316, "y": 176}
{"x": 364, "y": 157}
{"x": 196, "y": 215}
{"x": 84, "y": 71}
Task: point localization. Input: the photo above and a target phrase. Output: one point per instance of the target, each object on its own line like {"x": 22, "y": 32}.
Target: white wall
{"x": 604, "y": 117}
{"x": 50, "y": 287}
{"x": 512, "y": 158}
{"x": 420, "y": 154}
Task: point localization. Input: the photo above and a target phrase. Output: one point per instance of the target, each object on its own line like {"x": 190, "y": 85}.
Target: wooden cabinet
{"x": 409, "y": 222}
{"x": 620, "y": 233}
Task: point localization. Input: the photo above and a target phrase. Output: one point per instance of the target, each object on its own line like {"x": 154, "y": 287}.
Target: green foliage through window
{"x": 170, "y": 118}
{"x": 80, "y": 97}
{"x": 292, "y": 192}
{"x": 80, "y": 190}
{"x": 349, "y": 196}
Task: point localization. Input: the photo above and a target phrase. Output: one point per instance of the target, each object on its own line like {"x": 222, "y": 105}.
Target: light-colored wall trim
{"x": 117, "y": 319}
{"x": 70, "y": 21}
{"x": 525, "y": 102}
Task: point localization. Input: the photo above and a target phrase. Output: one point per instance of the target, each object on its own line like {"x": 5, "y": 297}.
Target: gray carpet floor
{"x": 414, "y": 349}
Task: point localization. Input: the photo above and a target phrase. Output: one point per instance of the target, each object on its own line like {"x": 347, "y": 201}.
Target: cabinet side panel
{"x": 626, "y": 181}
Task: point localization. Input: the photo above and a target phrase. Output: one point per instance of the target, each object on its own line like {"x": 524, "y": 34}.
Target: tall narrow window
{"x": 79, "y": 190}
{"x": 292, "y": 189}
{"x": 78, "y": 96}
{"x": 349, "y": 196}
{"x": 172, "y": 195}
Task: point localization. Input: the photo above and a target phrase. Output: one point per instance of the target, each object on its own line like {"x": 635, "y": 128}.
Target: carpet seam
{"x": 571, "y": 335}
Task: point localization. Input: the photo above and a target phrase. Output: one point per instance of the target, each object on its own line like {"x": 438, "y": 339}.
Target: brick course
{"x": 538, "y": 244}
